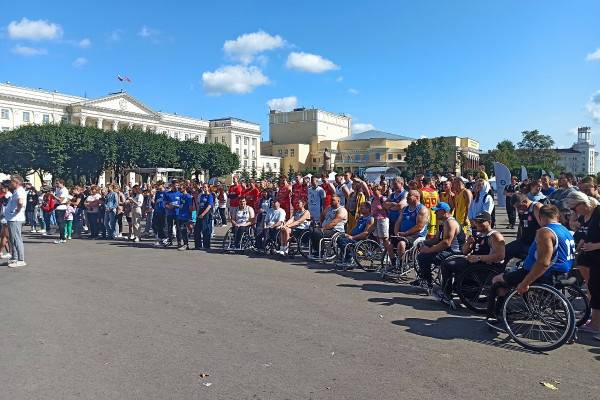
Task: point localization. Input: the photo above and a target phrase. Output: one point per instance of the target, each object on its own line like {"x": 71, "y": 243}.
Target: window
{"x": 286, "y": 152}
{"x": 4, "y": 113}
{"x": 245, "y": 152}
{"x": 366, "y": 157}
{"x": 46, "y": 119}
{"x": 357, "y": 157}
{"x": 245, "y": 141}
{"x": 280, "y": 152}
{"x": 253, "y": 141}
{"x": 399, "y": 156}
{"x": 377, "y": 156}
{"x": 291, "y": 152}
{"x": 268, "y": 165}
{"x": 253, "y": 164}
{"x": 199, "y": 139}
{"x": 26, "y": 116}
{"x": 177, "y": 135}
{"x": 275, "y": 165}
{"x": 390, "y": 156}
{"x": 237, "y": 151}
{"x": 253, "y": 153}
{"x": 187, "y": 136}
{"x": 314, "y": 160}
{"x": 237, "y": 140}
{"x": 164, "y": 132}
{"x": 216, "y": 140}
{"x": 245, "y": 163}
{"x": 223, "y": 139}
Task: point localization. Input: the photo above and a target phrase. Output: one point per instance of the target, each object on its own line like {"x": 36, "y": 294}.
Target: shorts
{"x": 513, "y": 278}
{"x": 409, "y": 240}
{"x": 382, "y": 228}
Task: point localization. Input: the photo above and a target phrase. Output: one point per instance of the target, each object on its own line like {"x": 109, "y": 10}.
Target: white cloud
{"x": 248, "y": 45}
{"x": 593, "y": 56}
{"x": 283, "y": 103}
{"x": 147, "y": 32}
{"x": 361, "y": 127}
{"x": 115, "y": 36}
{"x": 593, "y": 106}
{"x": 28, "y": 51}
{"x": 84, "y": 43}
{"x": 353, "y": 91}
{"x": 309, "y": 63}
{"x": 238, "y": 79}
{"x": 34, "y": 30}
{"x": 80, "y": 62}
{"x": 339, "y": 79}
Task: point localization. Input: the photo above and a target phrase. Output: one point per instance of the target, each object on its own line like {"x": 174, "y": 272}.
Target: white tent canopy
{"x": 372, "y": 174}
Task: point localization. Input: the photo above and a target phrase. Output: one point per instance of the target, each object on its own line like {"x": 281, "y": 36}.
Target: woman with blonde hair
{"x": 588, "y": 260}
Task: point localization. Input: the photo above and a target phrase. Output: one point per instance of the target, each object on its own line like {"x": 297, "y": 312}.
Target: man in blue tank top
{"x": 550, "y": 255}
{"x": 411, "y": 224}
{"x": 364, "y": 226}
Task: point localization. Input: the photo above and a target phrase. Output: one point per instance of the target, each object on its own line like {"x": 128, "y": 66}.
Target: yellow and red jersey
{"x": 430, "y": 198}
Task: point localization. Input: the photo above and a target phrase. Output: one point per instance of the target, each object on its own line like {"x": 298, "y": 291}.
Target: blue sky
{"x": 482, "y": 69}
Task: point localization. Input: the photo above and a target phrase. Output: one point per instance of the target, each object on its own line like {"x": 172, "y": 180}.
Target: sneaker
{"x": 183, "y": 248}
{"x": 13, "y": 264}
{"x": 137, "y": 240}
{"x": 42, "y": 231}
{"x": 119, "y": 236}
{"x": 60, "y": 241}
{"x": 33, "y": 231}
{"x": 157, "y": 244}
{"x": 69, "y": 238}
{"x": 5, "y": 256}
{"x": 443, "y": 298}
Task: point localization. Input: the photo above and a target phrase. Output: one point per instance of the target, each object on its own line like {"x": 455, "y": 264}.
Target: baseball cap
{"x": 442, "y": 206}
{"x": 483, "y": 216}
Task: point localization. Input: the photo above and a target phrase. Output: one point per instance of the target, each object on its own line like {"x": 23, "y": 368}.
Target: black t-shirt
{"x": 509, "y": 190}
{"x": 32, "y": 201}
{"x": 591, "y": 230}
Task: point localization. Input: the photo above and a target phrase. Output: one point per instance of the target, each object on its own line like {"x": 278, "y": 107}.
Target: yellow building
{"x": 372, "y": 149}
{"x": 470, "y": 150}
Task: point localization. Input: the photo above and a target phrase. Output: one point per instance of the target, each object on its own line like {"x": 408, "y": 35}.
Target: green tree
{"x": 535, "y": 151}
{"x": 291, "y": 174}
{"x": 218, "y": 160}
{"x": 418, "y": 155}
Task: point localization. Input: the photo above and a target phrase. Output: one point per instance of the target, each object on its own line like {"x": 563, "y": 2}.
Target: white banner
{"x": 523, "y": 173}
{"x": 503, "y": 176}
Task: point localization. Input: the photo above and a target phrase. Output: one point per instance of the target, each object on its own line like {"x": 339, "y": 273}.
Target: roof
{"x": 375, "y": 134}
{"x": 567, "y": 151}
{"x": 232, "y": 119}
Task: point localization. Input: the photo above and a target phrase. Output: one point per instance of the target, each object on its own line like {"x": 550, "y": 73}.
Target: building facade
{"x": 22, "y": 105}
{"x": 579, "y": 159}
{"x": 464, "y": 153}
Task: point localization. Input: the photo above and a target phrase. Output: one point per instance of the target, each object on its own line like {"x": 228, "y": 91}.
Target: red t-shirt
{"x": 329, "y": 192}
{"x": 299, "y": 191}
{"x": 234, "y": 193}
{"x": 283, "y": 195}
{"x": 252, "y": 195}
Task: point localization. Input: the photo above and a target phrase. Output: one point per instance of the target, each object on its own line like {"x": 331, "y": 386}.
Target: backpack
{"x": 49, "y": 204}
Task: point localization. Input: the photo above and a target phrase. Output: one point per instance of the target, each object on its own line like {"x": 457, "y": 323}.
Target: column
{"x": 144, "y": 127}
{"x": 115, "y": 125}
{"x": 99, "y": 123}
{"x": 130, "y": 126}
{"x": 82, "y": 120}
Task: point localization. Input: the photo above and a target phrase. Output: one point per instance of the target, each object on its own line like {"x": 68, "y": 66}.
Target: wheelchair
{"x": 367, "y": 253}
{"x": 403, "y": 266}
{"x": 328, "y": 249}
{"x": 246, "y": 243}
{"x": 297, "y": 244}
{"x": 542, "y": 319}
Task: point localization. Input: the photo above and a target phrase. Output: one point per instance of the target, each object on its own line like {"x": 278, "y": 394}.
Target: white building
{"x": 579, "y": 159}
{"x": 22, "y": 105}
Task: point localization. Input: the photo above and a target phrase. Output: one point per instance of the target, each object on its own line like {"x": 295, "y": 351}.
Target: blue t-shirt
{"x": 549, "y": 191}
{"x": 563, "y": 255}
{"x": 159, "y": 203}
{"x": 173, "y": 198}
{"x": 184, "y": 211}
{"x": 409, "y": 219}
{"x": 361, "y": 224}
{"x": 396, "y": 198}
{"x": 205, "y": 200}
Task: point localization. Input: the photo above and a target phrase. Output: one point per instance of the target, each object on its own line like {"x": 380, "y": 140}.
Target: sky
{"x": 483, "y": 69}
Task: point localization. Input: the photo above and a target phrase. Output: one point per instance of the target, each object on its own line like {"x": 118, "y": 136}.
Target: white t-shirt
{"x": 274, "y": 216}
{"x": 91, "y": 198}
{"x": 139, "y": 199}
{"x": 315, "y": 200}
{"x": 64, "y": 193}
{"x": 11, "y": 207}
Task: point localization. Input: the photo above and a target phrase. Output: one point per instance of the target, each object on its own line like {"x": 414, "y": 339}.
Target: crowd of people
{"x": 558, "y": 224}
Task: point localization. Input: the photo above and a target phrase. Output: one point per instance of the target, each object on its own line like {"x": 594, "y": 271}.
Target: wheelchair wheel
{"x": 247, "y": 242}
{"x": 368, "y": 255}
{"x": 473, "y": 287}
{"x": 580, "y": 303}
{"x": 541, "y": 319}
{"x": 304, "y": 244}
{"x": 228, "y": 240}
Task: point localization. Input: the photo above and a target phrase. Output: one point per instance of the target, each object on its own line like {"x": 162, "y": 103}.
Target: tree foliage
{"x": 81, "y": 154}
{"x": 433, "y": 155}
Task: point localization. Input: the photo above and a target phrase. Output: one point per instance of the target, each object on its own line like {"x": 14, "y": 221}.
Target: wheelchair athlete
{"x": 241, "y": 220}
{"x": 335, "y": 222}
{"x": 295, "y": 226}
{"x": 273, "y": 220}
{"x": 485, "y": 247}
{"x": 549, "y": 259}
{"x": 412, "y": 223}
{"x": 449, "y": 241}
{"x": 363, "y": 228}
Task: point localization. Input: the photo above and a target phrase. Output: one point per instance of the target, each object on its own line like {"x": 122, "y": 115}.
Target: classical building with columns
{"x": 21, "y": 105}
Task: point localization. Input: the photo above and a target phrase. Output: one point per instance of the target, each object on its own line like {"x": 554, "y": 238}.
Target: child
{"x": 69, "y": 213}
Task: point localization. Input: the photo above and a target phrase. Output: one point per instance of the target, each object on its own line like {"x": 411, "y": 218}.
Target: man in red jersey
{"x": 252, "y": 194}
{"x": 299, "y": 191}
{"x": 234, "y": 193}
{"x": 284, "y": 195}
{"x": 329, "y": 191}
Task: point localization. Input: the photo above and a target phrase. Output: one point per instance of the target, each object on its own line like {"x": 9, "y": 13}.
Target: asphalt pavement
{"x": 121, "y": 320}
